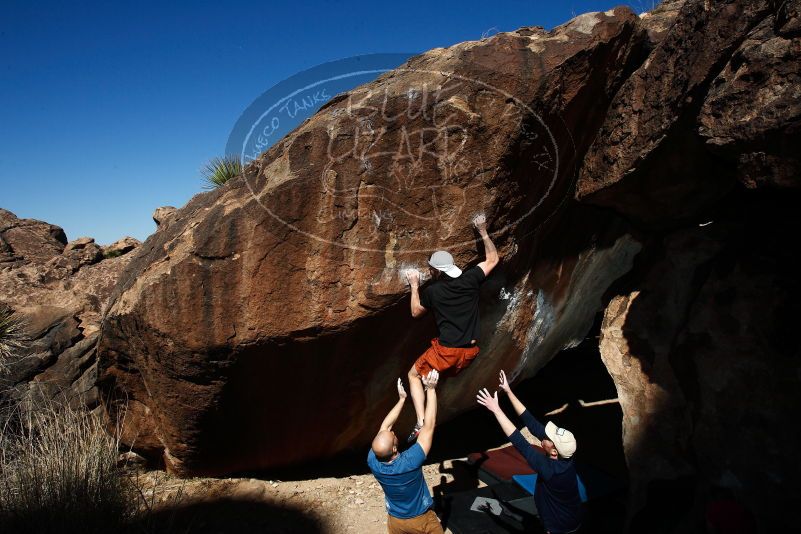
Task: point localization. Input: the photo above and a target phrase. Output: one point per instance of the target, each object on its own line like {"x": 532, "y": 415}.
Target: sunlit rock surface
{"x": 644, "y": 167}
{"x": 276, "y": 304}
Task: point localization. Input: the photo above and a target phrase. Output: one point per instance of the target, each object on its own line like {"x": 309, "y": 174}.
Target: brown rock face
{"x": 638, "y": 163}
{"x": 58, "y": 289}
{"x": 28, "y": 239}
{"x": 657, "y": 23}
{"x": 697, "y": 338}
{"x": 163, "y": 215}
{"x": 120, "y": 247}
{"x": 275, "y": 304}
{"x": 752, "y": 112}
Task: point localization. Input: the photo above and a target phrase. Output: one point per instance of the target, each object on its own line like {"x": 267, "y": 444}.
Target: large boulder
{"x": 266, "y": 324}
{"x": 28, "y": 240}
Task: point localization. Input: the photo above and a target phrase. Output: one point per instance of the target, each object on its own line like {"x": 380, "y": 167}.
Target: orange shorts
{"x": 441, "y": 358}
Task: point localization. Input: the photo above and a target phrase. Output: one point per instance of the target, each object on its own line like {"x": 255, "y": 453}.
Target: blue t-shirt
{"x": 405, "y": 490}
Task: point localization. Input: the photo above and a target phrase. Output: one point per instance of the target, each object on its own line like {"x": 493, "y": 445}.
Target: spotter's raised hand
{"x": 489, "y": 401}
{"x": 504, "y": 385}
{"x": 401, "y": 390}
{"x": 431, "y": 380}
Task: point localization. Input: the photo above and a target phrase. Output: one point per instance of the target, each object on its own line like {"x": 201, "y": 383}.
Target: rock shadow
{"x": 229, "y": 516}
{"x": 713, "y": 325}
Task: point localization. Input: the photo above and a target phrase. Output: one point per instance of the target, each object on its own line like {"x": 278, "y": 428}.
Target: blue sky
{"x": 108, "y": 109}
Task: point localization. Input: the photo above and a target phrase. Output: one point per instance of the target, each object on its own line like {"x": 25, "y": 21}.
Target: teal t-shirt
{"x": 405, "y": 490}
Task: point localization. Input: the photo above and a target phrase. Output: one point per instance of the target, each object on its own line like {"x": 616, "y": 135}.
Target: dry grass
{"x": 12, "y": 337}
{"x": 59, "y": 466}
{"x": 59, "y": 473}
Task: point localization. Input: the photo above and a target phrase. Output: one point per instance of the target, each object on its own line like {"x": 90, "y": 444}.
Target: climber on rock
{"x": 407, "y": 497}
{"x": 453, "y": 297}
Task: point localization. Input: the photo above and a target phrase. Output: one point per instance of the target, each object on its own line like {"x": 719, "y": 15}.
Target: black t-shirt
{"x": 454, "y": 302}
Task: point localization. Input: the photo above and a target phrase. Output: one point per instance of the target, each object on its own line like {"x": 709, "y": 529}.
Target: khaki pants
{"x": 427, "y": 523}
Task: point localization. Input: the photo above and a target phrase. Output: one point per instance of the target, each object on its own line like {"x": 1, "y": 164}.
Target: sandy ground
{"x": 351, "y": 504}
{"x": 335, "y": 500}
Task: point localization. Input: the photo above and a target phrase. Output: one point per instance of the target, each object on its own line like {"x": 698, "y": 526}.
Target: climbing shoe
{"x": 416, "y": 432}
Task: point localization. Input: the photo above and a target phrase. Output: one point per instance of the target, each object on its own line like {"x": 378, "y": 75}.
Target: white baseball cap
{"x": 443, "y": 261}
{"x": 563, "y": 439}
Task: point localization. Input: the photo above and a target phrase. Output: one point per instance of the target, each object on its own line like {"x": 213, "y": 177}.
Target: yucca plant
{"x": 12, "y": 336}
{"x": 219, "y": 170}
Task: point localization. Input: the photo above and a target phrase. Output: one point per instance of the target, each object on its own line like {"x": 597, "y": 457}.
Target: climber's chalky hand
{"x": 480, "y": 222}
{"x": 413, "y": 275}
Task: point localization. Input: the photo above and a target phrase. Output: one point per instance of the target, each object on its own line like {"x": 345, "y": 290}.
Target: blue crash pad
{"x": 529, "y": 483}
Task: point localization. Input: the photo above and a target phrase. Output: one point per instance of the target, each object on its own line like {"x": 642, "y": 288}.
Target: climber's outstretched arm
{"x": 491, "y": 258}
{"x": 414, "y": 281}
{"x": 393, "y": 414}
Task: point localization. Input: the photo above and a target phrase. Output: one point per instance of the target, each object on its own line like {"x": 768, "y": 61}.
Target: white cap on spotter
{"x": 563, "y": 440}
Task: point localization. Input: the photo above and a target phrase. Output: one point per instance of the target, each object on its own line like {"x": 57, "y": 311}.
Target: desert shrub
{"x": 219, "y": 170}
{"x": 59, "y": 465}
{"x": 108, "y": 254}
{"x": 59, "y": 473}
{"x": 12, "y": 337}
